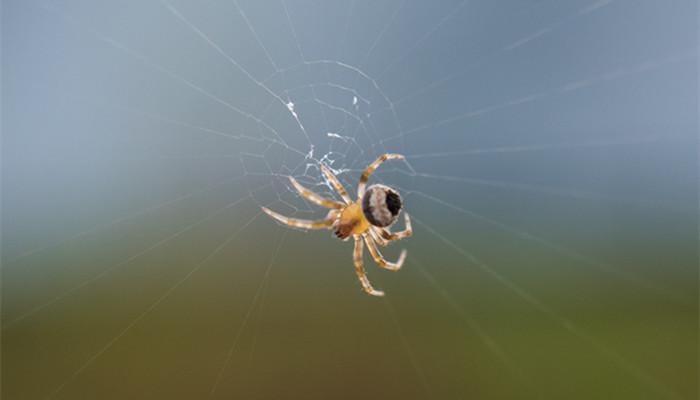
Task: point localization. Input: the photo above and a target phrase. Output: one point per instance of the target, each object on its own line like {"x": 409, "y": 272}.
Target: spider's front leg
{"x": 314, "y": 197}
{"x": 357, "y": 257}
{"x": 303, "y": 223}
{"x": 336, "y": 183}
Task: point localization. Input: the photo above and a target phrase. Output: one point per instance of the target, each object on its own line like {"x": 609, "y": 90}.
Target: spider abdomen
{"x": 381, "y": 205}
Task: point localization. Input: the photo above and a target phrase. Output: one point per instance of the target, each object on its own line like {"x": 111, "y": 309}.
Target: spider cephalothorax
{"x": 368, "y": 218}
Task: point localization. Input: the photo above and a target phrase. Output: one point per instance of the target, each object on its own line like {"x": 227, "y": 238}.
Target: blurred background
{"x": 551, "y": 176}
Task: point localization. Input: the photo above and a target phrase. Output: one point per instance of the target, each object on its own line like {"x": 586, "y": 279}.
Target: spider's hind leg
{"x": 377, "y": 237}
{"x": 388, "y": 236}
{"x": 365, "y": 175}
{"x": 378, "y": 256}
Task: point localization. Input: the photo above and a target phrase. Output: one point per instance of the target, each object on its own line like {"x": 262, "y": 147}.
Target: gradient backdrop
{"x": 551, "y": 176}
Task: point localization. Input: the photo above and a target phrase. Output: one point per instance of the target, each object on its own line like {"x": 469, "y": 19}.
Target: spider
{"x": 368, "y": 218}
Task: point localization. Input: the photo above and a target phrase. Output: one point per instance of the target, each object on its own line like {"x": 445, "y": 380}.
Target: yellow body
{"x": 347, "y": 219}
{"x": 352, "y": 221}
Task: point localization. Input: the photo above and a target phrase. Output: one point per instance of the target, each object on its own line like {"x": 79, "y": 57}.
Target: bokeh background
{"x": 551, "y": 176}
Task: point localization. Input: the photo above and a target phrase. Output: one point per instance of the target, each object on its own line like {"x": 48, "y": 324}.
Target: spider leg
{"x": 365, "y": 175}
{"x": 357, "y": 257}
{"x": 303, "y": 223}
{"x": 379, "y": 258}
{"x": 336, "y": 183}
{"x": 314, "y": 197}
{"x": 388, "y": 236}
{"x": 377, "y": 238}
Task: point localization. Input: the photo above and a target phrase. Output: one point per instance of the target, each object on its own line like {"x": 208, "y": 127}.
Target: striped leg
{"x": 357, "y": 257}
{"x": 337, "y": 184}
{"x": 303, "y": 223}
{"x": 314, "y": 197}
{"x": 387, "y": 235}
{"x": 365, "y": 175}
{"x": 377, "y": 238}
{"x": 379, "y": 258}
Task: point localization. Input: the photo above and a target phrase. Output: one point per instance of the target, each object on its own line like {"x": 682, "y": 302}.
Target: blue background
{"x": 551, "y": 176}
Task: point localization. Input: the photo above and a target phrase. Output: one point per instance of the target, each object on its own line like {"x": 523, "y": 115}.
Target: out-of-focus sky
{"x": 551, "y": 176}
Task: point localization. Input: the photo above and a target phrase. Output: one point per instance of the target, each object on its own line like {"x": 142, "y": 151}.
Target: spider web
{"x": 550, "y": 173}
